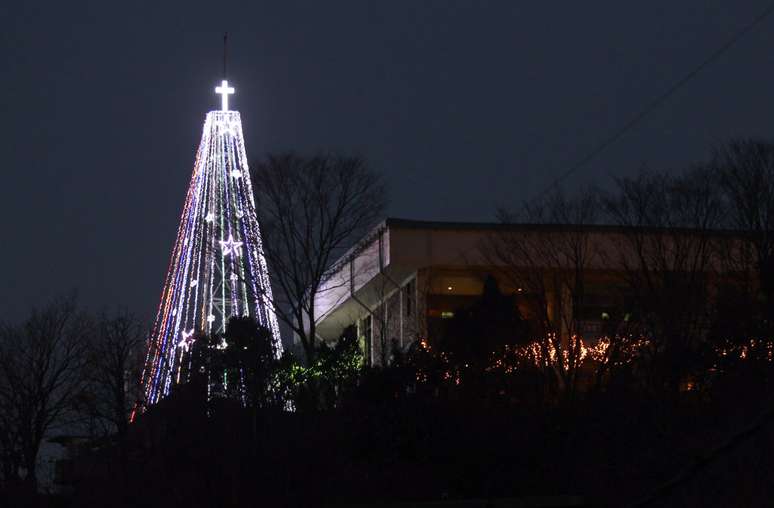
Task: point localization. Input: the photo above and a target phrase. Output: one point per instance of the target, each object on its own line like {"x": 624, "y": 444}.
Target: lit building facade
{"x": 406, "y": 276}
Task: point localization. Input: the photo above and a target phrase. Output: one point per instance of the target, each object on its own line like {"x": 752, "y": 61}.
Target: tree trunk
{"x": 30, "y": 464}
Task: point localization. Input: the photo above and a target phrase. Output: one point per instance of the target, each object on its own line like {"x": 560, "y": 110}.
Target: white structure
{"x": 402, "y": 274}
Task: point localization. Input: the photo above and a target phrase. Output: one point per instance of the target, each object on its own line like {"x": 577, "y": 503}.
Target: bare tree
{"x": 666, "y": 250}
{"x": 41, "y": 376}
{"x": 547, "y": 257}
{"x": 746, "y": 173}
{"x": 311, "y": 210}
{"x": 114, "y": 365}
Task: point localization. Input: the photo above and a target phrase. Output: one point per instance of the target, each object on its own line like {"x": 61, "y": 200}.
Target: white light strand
{"x": 210, "y": 278}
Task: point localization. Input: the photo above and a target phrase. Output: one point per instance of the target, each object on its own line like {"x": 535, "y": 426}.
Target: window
{"x": 409, "y": 297}
{"x": 367, "y": 328}
{"x": 365, "y": 338}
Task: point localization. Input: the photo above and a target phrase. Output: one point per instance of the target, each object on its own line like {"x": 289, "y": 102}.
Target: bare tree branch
{"x": 311, "y": 210}
{"x": 41, "y": 377}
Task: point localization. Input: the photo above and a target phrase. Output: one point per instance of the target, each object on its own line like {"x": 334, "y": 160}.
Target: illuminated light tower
{"x": 217, "y": 269}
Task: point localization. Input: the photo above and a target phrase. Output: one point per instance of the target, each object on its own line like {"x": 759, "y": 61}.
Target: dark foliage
{"x": 384, "y": 444}
{"x": 493, "y": 319}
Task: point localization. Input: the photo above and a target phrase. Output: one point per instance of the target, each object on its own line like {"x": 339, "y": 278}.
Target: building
{"x": 406, "y": 275}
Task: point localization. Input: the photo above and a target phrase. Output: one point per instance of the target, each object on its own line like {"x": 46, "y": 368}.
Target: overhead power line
{"x": 658, "y": 101}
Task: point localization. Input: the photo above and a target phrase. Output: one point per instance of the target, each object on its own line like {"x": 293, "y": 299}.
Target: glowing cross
{"x": 231, "y": 246}
{"x": 224, "y": 90}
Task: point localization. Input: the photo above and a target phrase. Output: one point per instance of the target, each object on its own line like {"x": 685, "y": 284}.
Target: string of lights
{"x": 217, "y": 269}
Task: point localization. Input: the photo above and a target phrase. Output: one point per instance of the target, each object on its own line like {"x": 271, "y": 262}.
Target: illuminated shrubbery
{"x": 319, "y": 386}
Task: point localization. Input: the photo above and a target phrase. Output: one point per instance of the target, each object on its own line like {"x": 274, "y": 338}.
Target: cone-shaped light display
{"x": 217, "y": 268}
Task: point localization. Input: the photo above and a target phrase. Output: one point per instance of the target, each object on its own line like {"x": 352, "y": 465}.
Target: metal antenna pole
{"x": 225, "y": 46}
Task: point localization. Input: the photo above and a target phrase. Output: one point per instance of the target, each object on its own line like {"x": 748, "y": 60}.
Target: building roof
{"x": 399, "y": 223}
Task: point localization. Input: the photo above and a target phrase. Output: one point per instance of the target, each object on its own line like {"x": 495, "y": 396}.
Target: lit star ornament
{"x": 186, "y": 341}
{"x": 224, "y": 90}
{"x": 231, "y": 246}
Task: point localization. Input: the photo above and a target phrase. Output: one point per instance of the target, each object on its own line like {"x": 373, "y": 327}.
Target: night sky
{"x": 460, "y": 105}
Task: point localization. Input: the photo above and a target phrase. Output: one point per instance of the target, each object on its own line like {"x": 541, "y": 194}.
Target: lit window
{"x": 447, "y": 314}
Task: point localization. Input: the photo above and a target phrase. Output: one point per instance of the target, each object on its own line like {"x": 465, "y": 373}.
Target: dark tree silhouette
{"x": 114, "y": 364}
{"x": 41, "y": 377}
{"x": 311, "y": 210}
{"x": 547, "y": 250}
{"x": 746, "y": 173}
{"x": 478, "y": 333}
{"x": 666, "y": 252}
{"x": 249, "y": 356}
